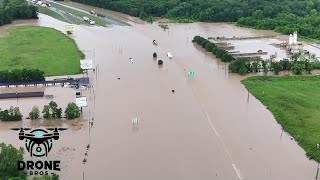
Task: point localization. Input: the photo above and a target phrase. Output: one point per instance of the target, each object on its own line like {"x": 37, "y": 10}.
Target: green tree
{"x": 35, "y": 113}
{"x": 8, "y": 162}
{"x": 276, "y": 67}
{"x": 53, "y": 108}
{"x": 52, "y": 111}
{"x": 46, "y": 112}
{"x": 72, "y": 111}
{"x": 4, "y": 115}
{"x": 53, "y": 177}
{"x": 255, "y": 66}
{"x": 297, "y": 69}
{"x": 308, "y": 66}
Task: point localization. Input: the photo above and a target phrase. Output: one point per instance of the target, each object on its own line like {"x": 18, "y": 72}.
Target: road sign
{"x": 69, "y": 28}
{"x": 81, "y": 101}
{"x": 86, "y": 64}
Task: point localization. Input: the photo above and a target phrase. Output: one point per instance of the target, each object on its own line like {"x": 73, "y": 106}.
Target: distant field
{"x": 53, "y": 14}
{"x": 295, "y": 103}
{"x": 38, "y": 47}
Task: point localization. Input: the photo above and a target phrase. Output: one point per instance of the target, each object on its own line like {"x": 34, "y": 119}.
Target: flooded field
{"x": 267, "y": 45}
{"x": 205, "y": 129}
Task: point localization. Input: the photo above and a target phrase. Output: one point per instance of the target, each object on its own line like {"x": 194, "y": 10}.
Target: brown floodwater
{"x": 206, "y": 129}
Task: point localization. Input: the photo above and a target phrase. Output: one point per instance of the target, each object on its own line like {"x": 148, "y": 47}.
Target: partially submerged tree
{"x": 46, "y": 112}
{"x": 12, "y": 114}
{"x": 35, "y": 113}
{"x": 52, "y": 111}
{"x": 72, "y": 111}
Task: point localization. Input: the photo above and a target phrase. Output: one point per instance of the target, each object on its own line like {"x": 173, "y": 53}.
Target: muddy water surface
{"x": 206, "y": 129}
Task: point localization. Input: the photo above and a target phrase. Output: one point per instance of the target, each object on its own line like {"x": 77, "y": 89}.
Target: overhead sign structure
{"x": 81, "y": 101}
{"x": 191, "y": 73}
{"x": 86, "y": 64}
{"x": 69, "y": 28}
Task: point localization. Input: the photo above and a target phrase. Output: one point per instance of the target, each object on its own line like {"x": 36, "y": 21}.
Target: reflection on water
{"x": 205, "y": 130}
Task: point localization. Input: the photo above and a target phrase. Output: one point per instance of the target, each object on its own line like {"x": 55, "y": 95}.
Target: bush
{"x": 72, "y": 111}
{"x": 308, "y": 67}
{"x": 255, "y": 66}
{"x": 52, "y": 111}
{"x": 35, "y": 113}
{"x": 204, "y": 43}
{"x": 297, "y": 69}
{"x": 286, "y": 65}
{"x": 13, "y": 114}
{"x": 46, "y": 112}
{"x": 276, "y": 67}
{"x": 243, "y": 70}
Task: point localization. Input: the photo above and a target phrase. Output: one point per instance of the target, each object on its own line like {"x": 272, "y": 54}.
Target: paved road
{"x": 106, "y": 19}
{"x": 62, "y": 13}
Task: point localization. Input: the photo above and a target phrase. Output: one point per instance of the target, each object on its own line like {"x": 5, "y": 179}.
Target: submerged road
{"x": 205, "y": 130}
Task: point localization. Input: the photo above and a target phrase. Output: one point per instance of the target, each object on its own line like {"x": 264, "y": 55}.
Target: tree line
{"x": 11, "y": 10}
{"x": 50, "y": 111}
{"x": 244, "y": 65}
{"x": 297, "y": 66}
{"x": 285, "y": 16}
{"x": 21, "y": 75}
{"x": 220, "y": 53}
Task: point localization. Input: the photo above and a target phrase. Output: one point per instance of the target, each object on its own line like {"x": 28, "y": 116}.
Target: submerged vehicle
{"x": 154, "y": 42}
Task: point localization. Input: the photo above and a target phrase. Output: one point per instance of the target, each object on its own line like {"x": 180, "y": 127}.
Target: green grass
{"x": 53, "y": 14}
{"x": 164, "y": 26}
{"x": 75, "y": 20}
{"x": 81, "y": 14}
{"x": 295, "y": 103}
{"x": 42, "y": 48}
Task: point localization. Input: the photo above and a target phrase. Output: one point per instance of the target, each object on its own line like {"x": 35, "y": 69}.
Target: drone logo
{"x": 38, "y": 142}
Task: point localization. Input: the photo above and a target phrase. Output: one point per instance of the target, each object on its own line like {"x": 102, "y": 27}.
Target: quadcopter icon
{"x": 38, "y": 142}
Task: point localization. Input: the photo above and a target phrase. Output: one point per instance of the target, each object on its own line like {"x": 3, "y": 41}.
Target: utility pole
{"x": 225, "y": 70}
{"x": 317, "y": 171}
{"x": 318, "y": 147}
{"x": 17, "y": 96}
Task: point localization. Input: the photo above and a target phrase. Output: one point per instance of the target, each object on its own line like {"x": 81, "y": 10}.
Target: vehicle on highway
{"x": 86, "y": 19}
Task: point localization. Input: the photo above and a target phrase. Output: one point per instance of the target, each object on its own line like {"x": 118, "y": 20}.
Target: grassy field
{"x": 75, "y": 20}
{"x": 295, "y": 103}
{"x": 38, "y": 47}
{"x": 81, "y": 14}
{"x": 51, "y": 13}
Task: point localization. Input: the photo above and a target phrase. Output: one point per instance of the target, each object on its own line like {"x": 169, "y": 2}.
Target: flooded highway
{"x": 206, "y": 129}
